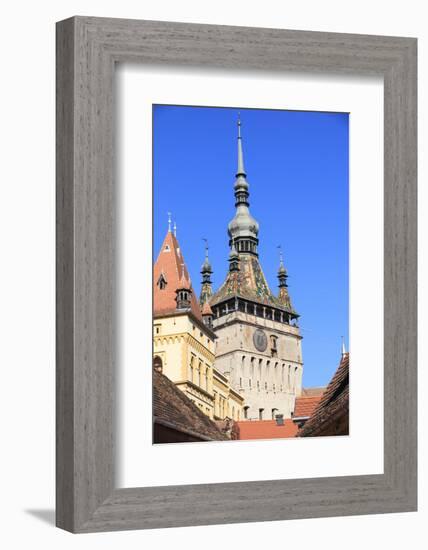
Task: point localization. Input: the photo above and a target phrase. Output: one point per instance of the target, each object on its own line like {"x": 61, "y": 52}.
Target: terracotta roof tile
{"x": 265, "y": 429}
{"x": 206, "y": 309}
{"x": 333, "y": 403}
{"x": 305, "y": 406}
{"x": 171, "y": 266}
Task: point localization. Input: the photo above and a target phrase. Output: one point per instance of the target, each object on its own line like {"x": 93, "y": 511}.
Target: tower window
{"x": 274, "y": 346}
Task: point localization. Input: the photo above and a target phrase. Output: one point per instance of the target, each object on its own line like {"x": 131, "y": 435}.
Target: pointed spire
{"x": 241, "y": 168}
{"x": 184, "y": 281}
{"x": 175, "y": 229}
{"x": 206, "y": 272}
{"x": 206, "y": 269}
{"x": 169, "y": 222}
{"x": 282, "y": 272}
{"x": 343, "y": 347}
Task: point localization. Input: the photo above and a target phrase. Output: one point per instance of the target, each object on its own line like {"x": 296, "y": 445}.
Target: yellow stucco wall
{"x": 187, "y": 354}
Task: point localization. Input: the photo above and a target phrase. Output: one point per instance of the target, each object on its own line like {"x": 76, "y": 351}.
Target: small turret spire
{"x": 282, "y": 272}
{"x": 175, "y": 229}
{"x": 343, "y": 347}
{"x": 206, "y": 272}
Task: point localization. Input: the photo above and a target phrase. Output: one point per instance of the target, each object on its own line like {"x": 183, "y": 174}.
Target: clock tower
{"x": 258, "y": 342}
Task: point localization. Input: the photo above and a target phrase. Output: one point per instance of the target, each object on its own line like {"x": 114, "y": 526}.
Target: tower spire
{"x": 243, "y": 229}
{"x": 241, "y": 169}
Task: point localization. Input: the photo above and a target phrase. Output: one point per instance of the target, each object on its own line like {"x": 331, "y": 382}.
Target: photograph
{"x": 250, "y": 274}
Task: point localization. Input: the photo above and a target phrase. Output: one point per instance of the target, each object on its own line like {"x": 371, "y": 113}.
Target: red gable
{"x": 169, "y": 274}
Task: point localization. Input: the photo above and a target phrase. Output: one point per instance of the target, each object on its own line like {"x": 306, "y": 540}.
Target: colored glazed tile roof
{"x": 250, "y": 283}
{"x": 305, "y": 406}
{"x": 171, "y": 268}
{"x": 333, "y": 404}
{"x": 266, "y": 429}
{"x": 172, "y": 408}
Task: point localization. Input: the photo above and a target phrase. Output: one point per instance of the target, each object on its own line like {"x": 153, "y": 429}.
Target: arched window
{"x": 191, "y": 368}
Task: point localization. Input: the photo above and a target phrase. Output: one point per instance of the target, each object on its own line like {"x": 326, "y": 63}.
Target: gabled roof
{"x": 249, "y": 283}
{"x": 265, "y": 429}
{"x": 334, "y": 403}
{"x": 170, "y": 264}
{"x": 173, "y": 409}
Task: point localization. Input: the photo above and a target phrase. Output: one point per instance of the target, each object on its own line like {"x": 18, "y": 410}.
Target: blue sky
{"x": 297, "y": 169}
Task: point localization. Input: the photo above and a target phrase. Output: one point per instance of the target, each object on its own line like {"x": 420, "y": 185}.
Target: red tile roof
{"x": 266, "y": 429}
{"x": 206, "y": 309}
{"x": 173, "y": 409}
{"x": 171, "y": 266}
{"x": 305, "y": 405}
{"x": 333, "y": 405}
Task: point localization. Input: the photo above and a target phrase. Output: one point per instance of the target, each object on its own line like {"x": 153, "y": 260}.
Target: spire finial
{"x": 169, "y": 222}
{"x": 175, "y": 229}
{"x": 343, "y": 346}
{"x": 281, "y": 260}
{"x": 206, "y": 247}
{"x": 241, "y": 169}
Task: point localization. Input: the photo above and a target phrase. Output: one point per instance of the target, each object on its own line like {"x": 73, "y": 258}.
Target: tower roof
{"x": 250, "y": 284}
{"x": 171, "y": 266}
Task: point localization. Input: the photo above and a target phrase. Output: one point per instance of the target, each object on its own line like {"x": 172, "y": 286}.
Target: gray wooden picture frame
{"x": 87, "y": 51}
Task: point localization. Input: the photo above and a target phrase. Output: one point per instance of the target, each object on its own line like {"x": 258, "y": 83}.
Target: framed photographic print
{"x": 236, "y": 274}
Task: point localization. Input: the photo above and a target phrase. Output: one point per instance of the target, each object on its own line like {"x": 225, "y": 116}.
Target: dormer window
{"x": 183, "y": 298}
{"x": 162, "y": 282}
{"x": 167, "y": 248}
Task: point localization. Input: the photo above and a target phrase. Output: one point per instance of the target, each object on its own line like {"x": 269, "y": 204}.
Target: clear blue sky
{"x": 297, "y": 168}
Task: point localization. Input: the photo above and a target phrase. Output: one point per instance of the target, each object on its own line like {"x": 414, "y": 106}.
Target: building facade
{"x": 183, "y": 344}
{"x": 258, "y": 345}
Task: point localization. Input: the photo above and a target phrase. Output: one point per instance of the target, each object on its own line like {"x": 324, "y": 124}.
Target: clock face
{"x": 260, "y": 340}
